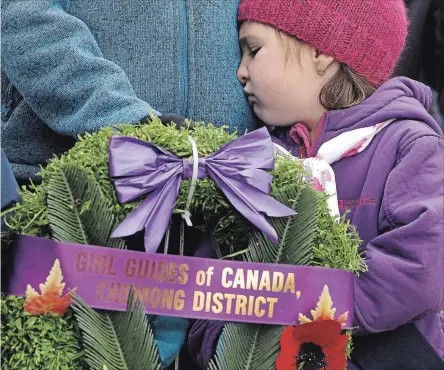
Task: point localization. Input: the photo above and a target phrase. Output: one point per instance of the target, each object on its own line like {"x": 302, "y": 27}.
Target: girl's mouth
{"x": 251, "y": 99}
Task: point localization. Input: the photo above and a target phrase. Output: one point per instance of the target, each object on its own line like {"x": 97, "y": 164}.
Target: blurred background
{"x": 423, "y": 56}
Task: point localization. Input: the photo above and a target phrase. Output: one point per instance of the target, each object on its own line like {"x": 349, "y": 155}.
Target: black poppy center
{"x": 311, "y": 357}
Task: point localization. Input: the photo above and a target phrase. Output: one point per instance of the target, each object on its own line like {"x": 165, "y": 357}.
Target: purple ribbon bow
{"x": 138, "y": 167}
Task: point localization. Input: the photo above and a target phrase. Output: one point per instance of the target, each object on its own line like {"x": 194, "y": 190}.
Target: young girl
{"x": 318, "y": 72}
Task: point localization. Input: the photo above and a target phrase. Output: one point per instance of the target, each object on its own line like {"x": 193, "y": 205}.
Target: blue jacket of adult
{"x": 73, "y": 67}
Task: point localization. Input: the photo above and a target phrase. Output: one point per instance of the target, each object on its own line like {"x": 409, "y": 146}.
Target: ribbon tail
{"x": 160, "y": 216}
{"x": 252, "y": 203}
{"x": 153, "y": 214}
{"x": 135, "y": 221}
{"x": 258, "y": 178}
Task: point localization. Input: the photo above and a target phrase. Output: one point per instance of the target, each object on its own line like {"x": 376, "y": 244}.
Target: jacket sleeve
{"x": 405, "y": 278}
{"x": 202, "y": 341}
{"x": 204, "y": 334}
{"x": 55, "y": 63}
{"x": 9, "y": 188}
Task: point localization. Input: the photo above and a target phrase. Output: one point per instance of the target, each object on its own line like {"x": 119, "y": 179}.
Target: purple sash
{"x": 180, "y": 286}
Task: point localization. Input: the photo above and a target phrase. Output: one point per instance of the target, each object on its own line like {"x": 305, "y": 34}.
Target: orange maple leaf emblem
{"x": 50, "y": 300}
{"x": 324, "y": 310}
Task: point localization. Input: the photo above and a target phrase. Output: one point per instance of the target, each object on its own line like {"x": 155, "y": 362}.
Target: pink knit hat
{"x": 366, "y": 35}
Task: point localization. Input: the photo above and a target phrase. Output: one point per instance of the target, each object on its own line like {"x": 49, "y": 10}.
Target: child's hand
{"x": 179, "y": 121}
{"x": 169, "y": 118}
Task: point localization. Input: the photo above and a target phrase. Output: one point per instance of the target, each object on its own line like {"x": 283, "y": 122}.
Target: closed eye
{"x": 254, "y": 52}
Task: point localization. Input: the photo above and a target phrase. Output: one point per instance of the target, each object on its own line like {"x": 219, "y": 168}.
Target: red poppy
{"x": 317, "y": 345}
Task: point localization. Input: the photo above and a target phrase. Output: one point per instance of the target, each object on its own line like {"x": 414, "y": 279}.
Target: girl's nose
{"x": 242, "y": 74}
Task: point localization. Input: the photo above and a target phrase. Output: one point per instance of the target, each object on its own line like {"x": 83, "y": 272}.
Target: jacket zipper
{"x": 183, "y": 55}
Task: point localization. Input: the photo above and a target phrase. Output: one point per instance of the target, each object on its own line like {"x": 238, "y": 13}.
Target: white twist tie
{"x": 186, "y": 215}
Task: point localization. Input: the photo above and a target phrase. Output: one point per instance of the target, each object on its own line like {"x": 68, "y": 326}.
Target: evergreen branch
{"x": 63, "y": 215}
{"x": 254, "y": 346}
{"x": 77, "y": 210}
{"x": 247, "y": 347}
{"x": 296, "y": 234}
{"x": 117, "y": 340}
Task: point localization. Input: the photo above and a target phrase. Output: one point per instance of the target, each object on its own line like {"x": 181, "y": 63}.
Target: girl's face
{"x": 280, "y": 76}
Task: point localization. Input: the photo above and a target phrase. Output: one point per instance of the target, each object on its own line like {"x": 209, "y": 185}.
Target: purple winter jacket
{"x": 394, "y": 192}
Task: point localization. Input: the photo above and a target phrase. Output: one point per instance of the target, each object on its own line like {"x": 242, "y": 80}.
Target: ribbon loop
{"x": 238, "y": 169}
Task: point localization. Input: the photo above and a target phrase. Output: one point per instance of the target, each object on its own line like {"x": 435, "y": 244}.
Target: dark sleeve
{"x": 9, "y": 194}
{"x": 411, "y": 61}
{"x": 202, "y": 340}
{"x": 204, "y": 334}
{"x": 439, "y": 15}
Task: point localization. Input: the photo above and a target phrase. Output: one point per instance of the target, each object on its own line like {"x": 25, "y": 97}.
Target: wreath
{"x": 76, "y": 202}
